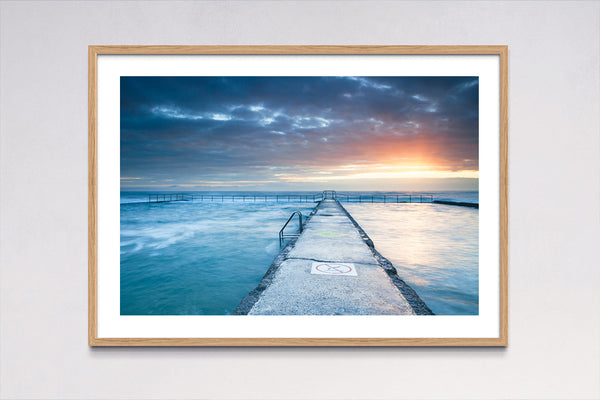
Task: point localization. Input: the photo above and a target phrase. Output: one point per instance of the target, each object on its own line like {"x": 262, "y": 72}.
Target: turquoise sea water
{"x": 202, "y": 257}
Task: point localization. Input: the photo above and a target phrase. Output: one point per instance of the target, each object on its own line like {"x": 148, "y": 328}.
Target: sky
{"x": 299, "y": 133}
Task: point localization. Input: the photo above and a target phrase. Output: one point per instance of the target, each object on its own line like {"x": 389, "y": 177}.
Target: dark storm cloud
{"x": 198, "y": 129}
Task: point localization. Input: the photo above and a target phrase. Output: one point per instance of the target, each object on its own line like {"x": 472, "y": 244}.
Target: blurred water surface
{"x": 203, "y": 257}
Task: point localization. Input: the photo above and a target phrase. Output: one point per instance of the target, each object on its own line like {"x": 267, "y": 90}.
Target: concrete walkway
{"x": 331, "y": 269}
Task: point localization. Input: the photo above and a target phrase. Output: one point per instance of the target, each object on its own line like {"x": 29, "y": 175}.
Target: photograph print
{"x": 299, "y": 195}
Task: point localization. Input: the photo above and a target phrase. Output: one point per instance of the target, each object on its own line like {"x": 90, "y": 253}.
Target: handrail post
{"x": 281, "y": 235}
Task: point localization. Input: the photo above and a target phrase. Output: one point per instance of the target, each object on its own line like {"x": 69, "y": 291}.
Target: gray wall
{"x": 554, "y": 349}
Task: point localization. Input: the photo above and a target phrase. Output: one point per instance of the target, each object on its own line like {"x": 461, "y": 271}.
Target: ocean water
{"x": 202, "y": 257}
{"x": 434, "y": 248}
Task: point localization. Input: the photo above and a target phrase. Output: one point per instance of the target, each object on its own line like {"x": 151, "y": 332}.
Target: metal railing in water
{"x": 164, "y": 197}
{"x": 283, "y": 236}
{"x": 377, "y": 198}
{"x": 386, "y": 198}
{"x": 289, "y": 198}
{"x": 329, "y": 194}
{"x": 295, "y": 198}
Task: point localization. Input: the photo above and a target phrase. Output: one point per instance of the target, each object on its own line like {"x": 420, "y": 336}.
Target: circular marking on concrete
{"x": 329, "y": 268}
{"x": 333, "y": 269}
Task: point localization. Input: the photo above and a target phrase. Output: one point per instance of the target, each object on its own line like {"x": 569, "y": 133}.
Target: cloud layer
{"x": 282, "y": 133}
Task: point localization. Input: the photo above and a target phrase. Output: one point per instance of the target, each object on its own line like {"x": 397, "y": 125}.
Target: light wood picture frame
{"x": 103, "y": 213}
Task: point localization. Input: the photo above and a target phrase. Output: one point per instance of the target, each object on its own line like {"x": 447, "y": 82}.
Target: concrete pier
{"x": 331, "y": 269}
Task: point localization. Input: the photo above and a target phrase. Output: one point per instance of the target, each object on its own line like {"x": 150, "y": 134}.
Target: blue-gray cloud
{"x": 196, "y": 129}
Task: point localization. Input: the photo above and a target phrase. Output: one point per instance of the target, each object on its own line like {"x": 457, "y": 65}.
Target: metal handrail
{"x": 167, "y": 197}
{"x": 282, "y": 236}
{"x": 298, "y": 198}
{"x": 329, "y": 194}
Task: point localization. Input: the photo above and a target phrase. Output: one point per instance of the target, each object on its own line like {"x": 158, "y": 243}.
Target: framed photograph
{"x": 298, "y": 196}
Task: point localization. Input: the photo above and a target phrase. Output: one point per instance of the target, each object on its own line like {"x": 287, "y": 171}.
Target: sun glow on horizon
{"x": 352, "y": 172}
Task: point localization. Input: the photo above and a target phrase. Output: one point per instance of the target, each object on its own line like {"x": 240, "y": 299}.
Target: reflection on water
{"x": 434, "y": 248}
